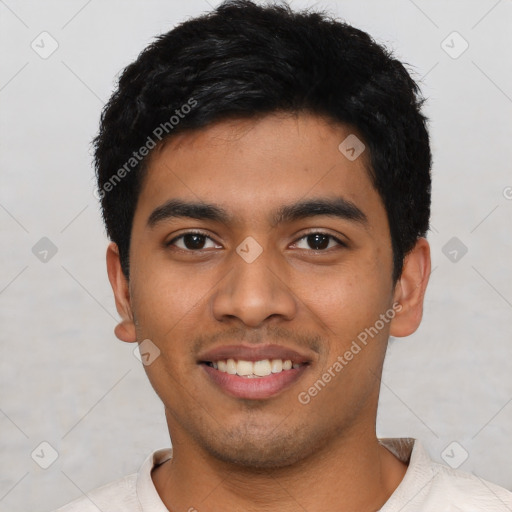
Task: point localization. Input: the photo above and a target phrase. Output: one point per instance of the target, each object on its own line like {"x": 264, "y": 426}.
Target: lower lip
{"x": 257, "y": 388}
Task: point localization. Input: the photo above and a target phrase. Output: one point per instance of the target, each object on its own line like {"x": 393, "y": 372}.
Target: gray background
{"x": 66, "y": 380}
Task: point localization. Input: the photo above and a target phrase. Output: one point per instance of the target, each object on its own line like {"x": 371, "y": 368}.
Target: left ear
{"x": 410, "y": 290}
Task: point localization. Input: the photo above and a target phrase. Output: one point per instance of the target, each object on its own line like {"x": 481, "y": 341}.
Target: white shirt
{"x": 426, "y": 487}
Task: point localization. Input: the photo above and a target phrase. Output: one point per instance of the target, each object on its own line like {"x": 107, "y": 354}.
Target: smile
{"x": 253, "y": 369}
{"x": 254, "y": 372}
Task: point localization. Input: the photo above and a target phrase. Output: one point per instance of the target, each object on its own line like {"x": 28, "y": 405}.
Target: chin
{"x": 255, "y": 450}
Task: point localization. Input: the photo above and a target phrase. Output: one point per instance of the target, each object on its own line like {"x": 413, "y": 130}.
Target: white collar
{"x": 408, "y": 450}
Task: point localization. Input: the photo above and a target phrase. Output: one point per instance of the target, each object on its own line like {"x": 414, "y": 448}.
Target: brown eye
{"x": 193, "y": 242}
{"x": 319, "y": 241}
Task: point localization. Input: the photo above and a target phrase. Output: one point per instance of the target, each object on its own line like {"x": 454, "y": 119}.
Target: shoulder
{"x": 133, "y": 493}
{"x": 432, "y": 487}
{"x": 464, "y": 489}
{"x": 117, "y": 496}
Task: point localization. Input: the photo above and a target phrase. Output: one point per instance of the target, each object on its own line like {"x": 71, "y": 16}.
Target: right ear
{"x": 125, "y": 329}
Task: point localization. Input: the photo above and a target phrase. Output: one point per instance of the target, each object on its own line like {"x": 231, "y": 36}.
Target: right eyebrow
{"x": 175, "y": 208}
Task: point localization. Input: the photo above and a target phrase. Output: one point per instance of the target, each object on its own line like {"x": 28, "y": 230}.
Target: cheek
{"x": 347, "y": 306}
{"x": 166, "y": 305}
{"x": 346, "y": 299}
{"x": 164, "y": 299}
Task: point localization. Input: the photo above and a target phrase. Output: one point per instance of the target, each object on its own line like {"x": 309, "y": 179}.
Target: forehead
{"x": 251, "y": 166}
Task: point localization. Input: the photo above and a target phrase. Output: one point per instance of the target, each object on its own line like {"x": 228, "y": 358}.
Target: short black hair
{"x": 244, "y": 60}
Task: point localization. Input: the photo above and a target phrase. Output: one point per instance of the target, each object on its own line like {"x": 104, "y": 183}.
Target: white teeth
{"x": 261, "y": 368}
{"x": 254, "y": 369}
{"x": 231, "y": 366}
{"x": 244, "y": 368}
{"x": 277, "y": 365}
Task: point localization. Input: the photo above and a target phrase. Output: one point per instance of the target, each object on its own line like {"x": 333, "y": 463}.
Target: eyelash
{"x": 332, "y": 237}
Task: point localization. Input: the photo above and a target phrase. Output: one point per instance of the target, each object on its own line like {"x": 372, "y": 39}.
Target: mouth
{"x": 254, "y": 373}
{"x": 253, "y": 370}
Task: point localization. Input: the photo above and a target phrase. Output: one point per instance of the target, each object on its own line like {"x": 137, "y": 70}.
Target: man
{"x": 265, "y": 181}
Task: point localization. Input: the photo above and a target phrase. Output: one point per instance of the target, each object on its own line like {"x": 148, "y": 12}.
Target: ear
{"x": 125, "y": 330}
{"x": 410, "y": 290}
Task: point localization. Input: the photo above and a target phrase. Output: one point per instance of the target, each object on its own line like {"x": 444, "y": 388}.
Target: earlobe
{"x": 125, "y": 330}
{"x": 410, "y": 290}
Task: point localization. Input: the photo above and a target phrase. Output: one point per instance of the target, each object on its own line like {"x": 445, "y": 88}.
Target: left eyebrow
{"x": 335, "y": 207}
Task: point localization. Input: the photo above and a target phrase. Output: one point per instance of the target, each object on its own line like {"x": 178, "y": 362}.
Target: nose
{"x": 254, "y": 292}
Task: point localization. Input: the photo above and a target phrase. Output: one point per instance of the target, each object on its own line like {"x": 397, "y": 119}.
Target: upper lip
{"x": 252, "y": 353}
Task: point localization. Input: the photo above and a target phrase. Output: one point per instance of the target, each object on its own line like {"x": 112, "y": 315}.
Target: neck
{"x": 352, "y": 473}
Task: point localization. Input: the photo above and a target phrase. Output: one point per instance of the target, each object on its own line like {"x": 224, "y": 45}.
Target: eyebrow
{"x": 177, "y": 208}
{"x": 336, "y": 207}
{"x": 331, "y": 207}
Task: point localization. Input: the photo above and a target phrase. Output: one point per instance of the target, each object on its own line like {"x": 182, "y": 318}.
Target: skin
{"x": 256, "y": 455}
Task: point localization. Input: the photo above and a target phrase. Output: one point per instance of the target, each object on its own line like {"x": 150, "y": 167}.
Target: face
{"x": 256, "y": 246}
